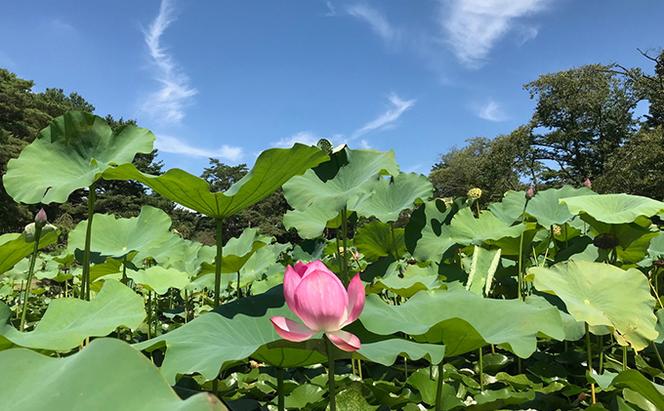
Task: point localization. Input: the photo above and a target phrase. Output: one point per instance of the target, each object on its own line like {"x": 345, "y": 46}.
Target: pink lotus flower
{"x": 317, "y": 296}
{"x": 587, "y": 183}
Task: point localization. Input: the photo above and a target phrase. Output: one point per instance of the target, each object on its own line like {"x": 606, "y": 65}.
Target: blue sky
{"x": 228, "y": 79}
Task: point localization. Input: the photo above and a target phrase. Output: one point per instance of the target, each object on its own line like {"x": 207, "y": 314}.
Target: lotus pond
{"x": 391, "y": 300}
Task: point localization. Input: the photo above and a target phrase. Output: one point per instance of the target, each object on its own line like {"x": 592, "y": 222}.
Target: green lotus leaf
{"x": 238, "y": 250}
{"x": 386, "y": 352}
{"x": 107, "y": 375}
{"x": 655, "y": 250}
{"x": 408, "y": 281}
{"x": 483, "y": 266}
{"x": 303, "y": 395}
{"x": 423, "y": 232}
{"x": 68, "y": 321}
{"x": 14, "y": 247}
{"x": 212, "y": 341}
{"x": 614, "y": 208}
{"x": 160, "y": 279}
{"x": 272, "y": 169}
{"x": 425, "y": 384}
{"x": 391, "y": 196}
{"x": 466, "y": 229}
{"x": 377, "y": 239}
{"x": 117, "y": 237}
{"x": 315, "y": 202}
{"x": 463, "y": 321}
{"x": 71, "y": 153}
{"x": 510, "y": 209}
{"x": 603, "y": 295}
{"x": 547, "y": 208}
{"x": 635, "y": 381}
{"x": 184, "y": 255}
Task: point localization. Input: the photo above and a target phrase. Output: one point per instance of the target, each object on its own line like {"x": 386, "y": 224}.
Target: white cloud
{"x": 304, "y": 137}
{"x": 61, "y": 25}
{"x": 170, "y": 144}
{"x": 491, "y": 111}
{"x": 376, "y": 20}
{"x": 168, "y": 102}
{"x": 331, "y": 10}
{"x": 398, "y": 106}
{"x": 473, "y": 27}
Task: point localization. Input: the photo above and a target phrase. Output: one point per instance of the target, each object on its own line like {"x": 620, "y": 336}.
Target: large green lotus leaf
{"x": 391, "y": 196}
{"x": 423, "y": 232}
{"x": 466, "y": 229}
{"x": 184, "y": 255}
{"x": 272, "y": 169}
{"x": 238, "y": 250}
{"x": 464, "y": 321}
{"x": 14, "y": 247}
{"x": 68, "y": 321}
{"x": 511, "y": 208}
{"x": 614, "y": 208}
{"x": 160, "y": 279}
{"x": 547, "y": 209}
{"x": 407, "y": 281}
{"x": 315, "y": 202}
{"x": 483, "y": 266}
{"x": 45, "y": 267}
{"x": 117, "y": 237}
{"x": 655, "y": 250}
{"x": 386, "y": 352}
{"x": 377, "y": 239}
{"x": 287, "y": 354}
{"x": 603, "y": 295}
{"x": 71, "y": 153}
{"x": 107, "y": 375}
{"x": 635, "y": 381}
{"x": 261, "y": 263}
{"x": 212, "y": 341}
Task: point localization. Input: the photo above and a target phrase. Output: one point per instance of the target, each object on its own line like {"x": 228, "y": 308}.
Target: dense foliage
{"x": 544, "y": 299}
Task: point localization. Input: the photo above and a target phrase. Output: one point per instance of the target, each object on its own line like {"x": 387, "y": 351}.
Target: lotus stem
{"x": 31, "y": 273}
{"x": 85, "y": 281}
{"x": 624, "y": 358}
{"x": 281, "y": 399}
{"x": 481, "y": 365}
{"x": 125, "y": 280}
{"x": 439, "y": 388}
{"x": 590, "y": 363}
{"x": 149, "y": 305}
{"x": 217, "y": 267}
{"x": 344, "y": 228}
{"x": 658, "y": 355}
{"x": 239, "y": 290}
{"x": 331, "y": 390}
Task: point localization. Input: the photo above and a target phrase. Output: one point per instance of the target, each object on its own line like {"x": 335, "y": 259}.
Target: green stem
{"x": 31, "y": 273}
{"x": 624, "y": 359}
{"x": 659, "y": 357}
{"x": 439, "y": 388}
{"x": 331, "y": 390}
{"x": 521, "y": 285}
{"x": 217, "y": 268}
{"x": 589, "y": 359}
{"x": 85, "y": 281}
{"x": 239, "y": 291}
{"x": 281, "y": 399}
{"x": 344, "y": 228}
{"x": 601, "y": 353}
{"x": 149, "y": 306}
{"x": 481, "y": 361}
{"x": 125, "y": 280}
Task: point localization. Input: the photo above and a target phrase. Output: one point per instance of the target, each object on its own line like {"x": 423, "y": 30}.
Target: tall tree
{"x": 582, "y": 115}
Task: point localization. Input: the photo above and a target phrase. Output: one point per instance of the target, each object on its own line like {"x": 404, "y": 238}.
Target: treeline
{"x": 583, "y": 126}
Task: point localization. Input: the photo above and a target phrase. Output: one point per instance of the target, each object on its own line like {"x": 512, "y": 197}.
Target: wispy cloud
{"x": 473, "y": 27}
{"x": 491, "y": 111}
{"x": 376, "y": 20}
{"x": 397, "y": 107}
{"x": 304, "y": 137}
{"x": 331, "y": 10}
{"x": 171, "y": 144}
{"x": 175, "y": 92}
{"x": 62, "y": 26}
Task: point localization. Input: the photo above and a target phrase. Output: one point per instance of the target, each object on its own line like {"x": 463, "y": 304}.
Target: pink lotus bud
{"x": 530, "y": 193}
{"x": 587, "y": 183}
{"x": 317, "y": 296}
{"x": 41, "y": 219}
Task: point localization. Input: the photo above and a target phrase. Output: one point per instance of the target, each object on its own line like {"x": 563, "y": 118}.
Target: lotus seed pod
{"x": 587, "y": 183}
{"x": 530, "y": 193}
{"x": 557, "y": 230}
{"x": 474, "y": 193}
{"x": 41, "y": 219}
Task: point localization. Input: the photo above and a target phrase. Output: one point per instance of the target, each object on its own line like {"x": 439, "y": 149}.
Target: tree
{"x": 494, "y": 166}
{"x": 582, "y": 115}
